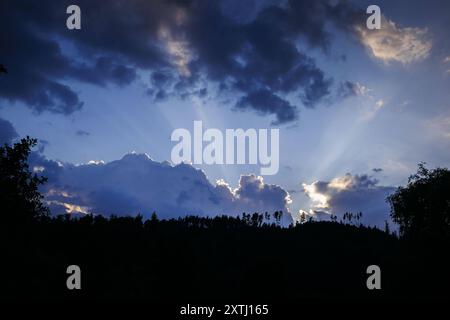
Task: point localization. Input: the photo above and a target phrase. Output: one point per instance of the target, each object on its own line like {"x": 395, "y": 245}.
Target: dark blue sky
{"x": 347, "y": 100}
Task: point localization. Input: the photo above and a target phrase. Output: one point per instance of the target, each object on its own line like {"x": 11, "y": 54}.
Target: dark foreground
{"x": 215, "y": 259}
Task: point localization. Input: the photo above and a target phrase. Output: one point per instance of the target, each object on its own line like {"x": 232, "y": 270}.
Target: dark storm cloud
{"x": 105, "y": 70}
{"x": 7, "y": 132}
{"x": 260, "y": 57}
{"x": 35, "y": 65}
{"x": 265, "y": 102}
{"x": 35, "y": 49}
{"x": 184, "y": 44}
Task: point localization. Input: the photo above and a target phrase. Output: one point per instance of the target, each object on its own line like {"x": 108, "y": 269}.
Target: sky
{"x": 357, "y": 109}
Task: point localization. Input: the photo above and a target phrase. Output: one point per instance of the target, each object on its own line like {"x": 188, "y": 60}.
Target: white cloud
{"x": 96, "y": 162}
{"x": 393, "y": 43}
{"x": 349, "y": 193}
{"x": 137, "y": 184}
{"x": 69, "y": 208}
{"x": 379, "y": 104}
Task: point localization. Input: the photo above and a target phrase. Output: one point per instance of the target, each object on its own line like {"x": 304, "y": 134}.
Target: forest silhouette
{"x": 223, "y": 257}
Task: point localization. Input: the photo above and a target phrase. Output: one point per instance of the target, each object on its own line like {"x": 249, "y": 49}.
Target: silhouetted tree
{"x": 350, "y": 218}
{"x": 278, "y": 215}
{"x": 422, "y": 208}
{"x": 154, "y": 217}
{"x": 19, "y": 195}
{"x": 303, "y": 217}
{"x": 387, "y": 229}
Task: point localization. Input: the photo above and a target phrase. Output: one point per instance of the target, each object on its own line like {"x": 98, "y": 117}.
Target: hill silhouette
{"x": 224, "y": 257}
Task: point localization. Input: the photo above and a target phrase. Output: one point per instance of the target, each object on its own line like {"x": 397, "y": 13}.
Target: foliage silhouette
{"x": 18, "y": 186}
{"x": 422, "y": 208}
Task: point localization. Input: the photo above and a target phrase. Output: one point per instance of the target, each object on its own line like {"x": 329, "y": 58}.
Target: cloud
{"x": 350, "y": 89}
{"x": 393, "y": 43}
{"x": 137, "y": 184}
{"x": 371, "y": 105}
{"x": 7, "y": 132}
{"x": 379, "y": 104}
{"x": 104, "y": 70}
{"x": 45, "y": 59}
{"x": 350, "y": 193}
{"x": 35, "y": 67}
{"x": 82, "y": 133}
{"x": 195, "y": 44}
{"x": 253, "y": 192}
{"x": 265, "y": 102}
